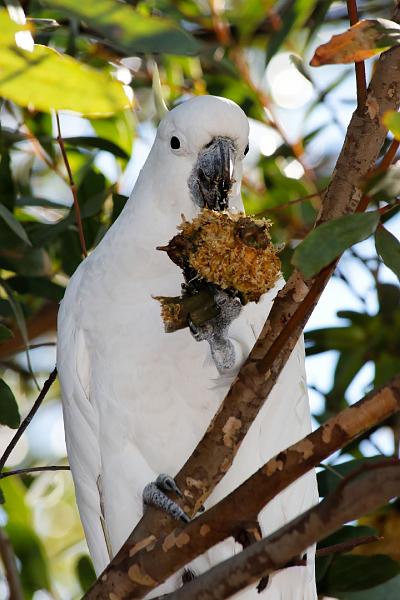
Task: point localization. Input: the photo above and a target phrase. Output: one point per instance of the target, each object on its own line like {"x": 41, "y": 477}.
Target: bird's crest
{"x": 159, "y": 101}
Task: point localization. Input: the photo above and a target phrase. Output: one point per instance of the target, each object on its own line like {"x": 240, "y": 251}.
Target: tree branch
{"x": 150, "y": 562}
{"x": 41, "y": 322}
{"x": 29, "y": 470}
{"x": 350, "y": 501}
{"x": 10, "y": 567}
{"x": 47, "y": 385}
{"x": 359, "y": 66}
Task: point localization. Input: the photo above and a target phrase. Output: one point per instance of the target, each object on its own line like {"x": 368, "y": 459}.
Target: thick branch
{"x": 150, "y": 563}
{"x": 41, "y": 322}
{"x": 350, "y": 501}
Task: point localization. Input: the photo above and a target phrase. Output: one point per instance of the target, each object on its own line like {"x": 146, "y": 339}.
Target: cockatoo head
{"x": 199, "y": 149}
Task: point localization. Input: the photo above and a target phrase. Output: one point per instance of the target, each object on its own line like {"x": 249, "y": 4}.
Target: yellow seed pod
{"x": 232, "y": 251}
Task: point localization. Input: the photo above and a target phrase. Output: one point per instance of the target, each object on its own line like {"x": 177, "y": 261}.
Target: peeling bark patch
{"x": 136, "y": 574}
{"x": 327, "y": 433}
{"x": 172, "y": 540}
{"x": 204, "y": 529}
{"x": 226, "y": 463}
{"x": 142, "y": 544}
{"x": 198, "y": 484}
{"x": 306, "y": 448}
{"x": 272, "y": 466}
{"x": 372, "y": 107}
{"x": 300, "y": 290}
{"x": 229, "y": 429}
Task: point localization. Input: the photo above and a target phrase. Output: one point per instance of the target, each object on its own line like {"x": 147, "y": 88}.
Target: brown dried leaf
{"x": 365, "y": 39}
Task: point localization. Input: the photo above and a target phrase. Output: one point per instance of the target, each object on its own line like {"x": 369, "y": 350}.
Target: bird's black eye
{"x": 175, "y": 143}
{"x": 246, "y": 150}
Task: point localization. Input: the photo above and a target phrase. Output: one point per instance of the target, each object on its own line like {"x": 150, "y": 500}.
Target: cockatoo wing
{"x": 81, "y": 423}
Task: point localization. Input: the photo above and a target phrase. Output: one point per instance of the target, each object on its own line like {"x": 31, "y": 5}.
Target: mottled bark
{"x": 151, "y": 562}
{"x": 350, "y": 501}
{"x": 294, "y": 304}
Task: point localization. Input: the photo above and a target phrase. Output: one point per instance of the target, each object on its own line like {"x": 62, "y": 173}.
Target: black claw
{"x": 183, "y": 517}
{"x": 188, "y": 576}
{"x": 262, "y": 584}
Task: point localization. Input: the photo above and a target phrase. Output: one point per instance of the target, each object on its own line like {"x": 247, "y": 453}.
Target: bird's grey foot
{"x": 154, "y": 494}
{"x": 215, "y": 331}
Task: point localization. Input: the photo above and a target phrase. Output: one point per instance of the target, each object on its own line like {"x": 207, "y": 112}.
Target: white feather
{"x": 136, "y": 400}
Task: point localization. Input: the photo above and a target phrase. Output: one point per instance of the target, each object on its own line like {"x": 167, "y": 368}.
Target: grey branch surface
{"x": 152, "y": 563}
{"x": 350, "y": 501}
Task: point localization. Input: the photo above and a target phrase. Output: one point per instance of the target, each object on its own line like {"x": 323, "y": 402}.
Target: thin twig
{"x": 72, "y": 186}
{"x": 290, "y": 203}
{"x": 28, "y": 418}
{"x": 359, "y": 66}
{"x": 10, "y": 567}
{"x": 34, "y": 470}
{"x": 296, "y": 147}
{"x": 388, "y": 158}
{"x": 349, "y": 545}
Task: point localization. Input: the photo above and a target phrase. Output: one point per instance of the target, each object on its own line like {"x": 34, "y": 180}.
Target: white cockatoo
{"x": 137, "y": 400}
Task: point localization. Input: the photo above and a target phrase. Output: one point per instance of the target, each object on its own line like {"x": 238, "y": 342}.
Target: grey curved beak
{"x": 211, "y": 179}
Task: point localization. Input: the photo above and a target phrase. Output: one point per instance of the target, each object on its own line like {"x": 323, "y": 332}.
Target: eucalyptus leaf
{"x": 85, "y": 572}
{"x": 127, "y": 28}
{"x": 95, "y": 142}
{"x": 13, "y": 224}
{"x": 388, "y": 248}
{"x": 5, "y": 333}
{"x": 329, "y": 240}
{"x": 45, "y": 79}
{"x": 349, "y": 572}
{"x": 9, "y": 413}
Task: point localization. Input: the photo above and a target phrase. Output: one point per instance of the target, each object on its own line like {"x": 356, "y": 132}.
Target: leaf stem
{"x": 72, "y": 186}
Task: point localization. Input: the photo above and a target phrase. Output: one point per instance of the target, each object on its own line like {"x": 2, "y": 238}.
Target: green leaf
{"x": 95, "y": 142}
{"x": 391, "y": 120}
{"x": 7, "y": 187}
{"x": 329, "y": 240}
{"x": 329, "y": 480}
{"x": 388, "y": 248}
{"x": 85, "y": 572}
{"x": 390, "y": 590}
{"x": 13, "y": 224}
{"x": 389, "y": 299}
{"x": 344, "y": 534}
{"x": 127, "y": 28}
{"x": 350, "y": 572}
{"x": 384, "y": 187}
{"x": 5, "y": 333}
{"x": 37, "y": 286}
{"x": 9, "y": 413}
{"x": 48, "y": 80}
{"x": 31, "y": 554}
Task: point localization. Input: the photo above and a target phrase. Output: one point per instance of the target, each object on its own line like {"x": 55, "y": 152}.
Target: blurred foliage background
{"x": 255, "y": 53}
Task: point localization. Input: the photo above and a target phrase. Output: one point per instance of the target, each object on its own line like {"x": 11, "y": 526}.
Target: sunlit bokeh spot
{"x": 287, "y": 86}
